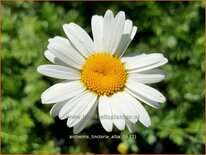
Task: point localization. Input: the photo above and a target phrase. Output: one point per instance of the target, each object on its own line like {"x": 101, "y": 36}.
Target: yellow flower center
{"x": 103, "y": 74}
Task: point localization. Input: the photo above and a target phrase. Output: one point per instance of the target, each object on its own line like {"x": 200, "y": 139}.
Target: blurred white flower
{"x": 96, "y": 75}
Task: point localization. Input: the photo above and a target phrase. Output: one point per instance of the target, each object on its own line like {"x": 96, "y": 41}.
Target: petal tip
{"x": 38, "y": 69}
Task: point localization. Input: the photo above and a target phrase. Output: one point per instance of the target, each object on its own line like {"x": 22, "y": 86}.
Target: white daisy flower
{"x": 97, "y": 76}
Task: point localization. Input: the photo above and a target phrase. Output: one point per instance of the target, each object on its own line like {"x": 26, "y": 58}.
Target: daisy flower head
{"x": 96, "y": 75}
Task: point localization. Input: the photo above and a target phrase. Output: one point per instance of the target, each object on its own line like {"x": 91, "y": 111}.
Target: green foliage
{"x": 45, "y": 148}
{"x": 175, "y": 29}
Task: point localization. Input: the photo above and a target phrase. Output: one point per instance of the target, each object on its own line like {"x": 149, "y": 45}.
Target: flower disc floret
{"x": 104, "y": 74}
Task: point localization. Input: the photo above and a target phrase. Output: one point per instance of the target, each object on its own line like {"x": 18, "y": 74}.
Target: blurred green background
{"x": 175, "y": 29}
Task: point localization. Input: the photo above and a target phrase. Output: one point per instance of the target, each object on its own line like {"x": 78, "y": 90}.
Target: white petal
{"x": 65, "y": 55}
{"x": 143, "y": 115}
{"x": 158, "y": 64}
{"x": 74, "y": 107}
{"x": 128, "y": 27}
{"x": 144, "y": 61}
{"x": 118, "y": 117}
{"x": 80, "y": 39}
{"x": 81, "y": 125}
{"x": 82, "y": 107}
{"x": 49, "y": 56}
{"x": 146, "y": 91}
{"x": 152, "y": 71}
{"x": 125, "y": 107}
{"x": 59, "y": 72}
{"x": 69, "y": 49}
{"x": 132, "y": 57}
{"x": 151, "y": 76}
{"x": 52, "y": 58}
{"x": 116, "y": 31}
{"x": 127, "y": 37}
{"x": 71, "y": 104}
{"x": 134, "y": 31}
{"x": 56, "y": 108}
{"x": 131, "y": 126}
{"x": 108, "y": 20}
{"x": 143, "y": 99}
{"x": 97, "y": 32}
{"x": 132, "y": 34}
{"x": 105, "y": 113}
{"x": 62, "y": 91}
